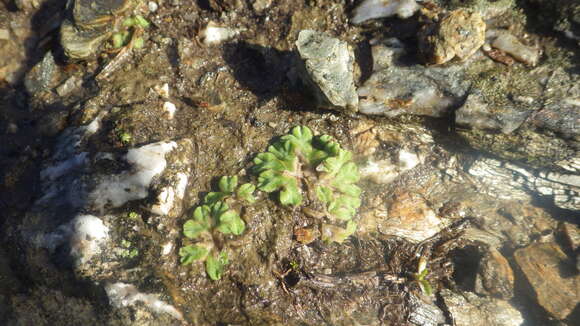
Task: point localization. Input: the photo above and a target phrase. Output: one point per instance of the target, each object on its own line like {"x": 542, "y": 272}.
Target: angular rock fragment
{"x": 425, "y": 314}
{"x": 511, "y": 45}
{"x": 468, "y": 309}
{"x": 41, "y": 76}
{"x": 476, "y": 113}
{"x": 553, "y": 277}
{"x": 457, "y": 34}
{"x": 495, "y": 276}
{"x": 328, "y": 69}
{"x": 410, "y": 217}
{"x": 412, "y": 90}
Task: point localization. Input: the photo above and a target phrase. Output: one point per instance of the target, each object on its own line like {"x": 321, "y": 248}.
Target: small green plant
{"x": 420, "y": 276}
{"x": 127, "y": 251}
{"x": 317, "y": 165}
{"x": 125, "y": 137}
{"x": 215, "y": 215}
{"x": 133, "y": 215}
{"x": 130, "y": 35}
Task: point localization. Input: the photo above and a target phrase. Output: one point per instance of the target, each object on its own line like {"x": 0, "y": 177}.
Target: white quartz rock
{"x": 123, "y": 295}
{"x": 147, "y": 162}
{"x": 511, "y": 45}
{"x": 214, "y": 34}
{"x": 85, "y": 235}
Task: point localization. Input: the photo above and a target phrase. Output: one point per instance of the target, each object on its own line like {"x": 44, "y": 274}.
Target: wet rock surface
{"x": 468, "y": 169}
{"x": 469, "y": 309}
{"x": 549, "y": 270}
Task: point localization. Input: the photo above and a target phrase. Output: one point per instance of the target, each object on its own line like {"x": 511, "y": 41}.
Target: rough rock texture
{"x": 329, "y": 64}
{"x": 538, "y": 122}
{"x": 425, "y": 313}
{"x": 510, "y": 181}
{"x": 553, "y": 277}
{"x": 476, "y": 113}
{"x": 409, "y": 217}
{"x": 412, "y": 90}
{"x": 457, "y": 34}
{"x": 467, "y": 309}
{"x": 495, "y": 276}
{"x": 88, "y": 25}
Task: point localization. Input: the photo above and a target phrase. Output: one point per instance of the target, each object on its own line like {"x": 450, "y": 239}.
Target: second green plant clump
{"x": 215, "y": 215}
{"x": 316, "y": 166}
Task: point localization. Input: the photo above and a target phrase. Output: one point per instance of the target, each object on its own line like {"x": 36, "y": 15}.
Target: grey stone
{"x": 424, "y": 313}
{"x": 468, "y": 309}
{"x": 42, "y": 75}
{"x": 476, "y": 113}
{"x": 562, "y": 117}
{"x": 373, "y": 9}
{"x": 328, "y": 68}
{"x": 416, "y": 90}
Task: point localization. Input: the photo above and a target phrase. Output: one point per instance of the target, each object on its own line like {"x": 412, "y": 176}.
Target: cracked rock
{"x": 328, "y": 69}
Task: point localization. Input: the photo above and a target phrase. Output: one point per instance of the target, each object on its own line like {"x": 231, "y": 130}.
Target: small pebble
{"x": 166, "y": 248}
{"x": 152, "y": 6}
{"x": 170, "y": 109}
{"x": 162, "y": 90}
{"x": 4, "y": 34}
